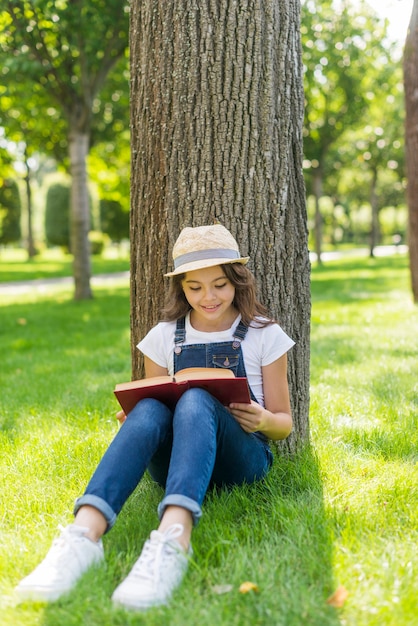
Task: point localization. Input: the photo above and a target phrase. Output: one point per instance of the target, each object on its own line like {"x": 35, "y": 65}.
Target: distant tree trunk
{"x": 317, "y": 190}
{"x": 374, "y": 203}
{"x": 31, "y": 249}
{"x": 79, "y": 213}
{"x": 411, "y": 141}
{"x": 216, "y": 120}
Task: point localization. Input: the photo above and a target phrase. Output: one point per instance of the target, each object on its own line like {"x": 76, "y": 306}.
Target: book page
{"x": 201, "y": 373}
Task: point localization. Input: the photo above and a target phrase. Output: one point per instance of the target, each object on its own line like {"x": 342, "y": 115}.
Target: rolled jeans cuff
{"x": 99, "y": 504}
{"x": 183, "y": 501}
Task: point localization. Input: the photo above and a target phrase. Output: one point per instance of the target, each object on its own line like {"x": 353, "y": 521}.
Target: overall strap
{"x": 180, "y": 334}
{"x": 239, "y": 335}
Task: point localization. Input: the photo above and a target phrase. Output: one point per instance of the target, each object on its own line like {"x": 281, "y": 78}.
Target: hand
{"x": 250, "y": 417}
{"x": 120, "y": 416}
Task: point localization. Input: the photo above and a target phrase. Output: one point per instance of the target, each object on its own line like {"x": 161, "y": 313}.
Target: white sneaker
{"x": 71, "y": 554}
{"x": 157, "y": 573}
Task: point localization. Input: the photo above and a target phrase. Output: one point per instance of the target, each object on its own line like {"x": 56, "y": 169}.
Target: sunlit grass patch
{"x": 364, "y": 398}
{"x": 342, "y": 513}
{"x": 54, "y": 262}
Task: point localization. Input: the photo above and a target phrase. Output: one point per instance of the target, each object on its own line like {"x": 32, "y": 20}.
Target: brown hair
{"x": 245, "y": 300}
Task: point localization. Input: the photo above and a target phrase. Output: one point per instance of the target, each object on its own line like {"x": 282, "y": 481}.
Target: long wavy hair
{"x": 245, "y": 299}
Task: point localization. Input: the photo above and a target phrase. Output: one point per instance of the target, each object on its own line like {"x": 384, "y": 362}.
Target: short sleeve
{"x": 275, "y": 344}
{"x": 158, "y": 343}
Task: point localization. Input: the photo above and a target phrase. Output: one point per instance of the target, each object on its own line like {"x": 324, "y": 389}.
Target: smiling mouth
{"x": 211, "y": 308}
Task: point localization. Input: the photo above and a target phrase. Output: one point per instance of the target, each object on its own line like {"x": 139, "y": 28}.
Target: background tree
{"x": 217, "y": 110}
{"x": 10, "y": 209}
{"x": 57, "y": 216}
{"x": 34, "y": 126}
{"x": 371, "y": 154}
{"x": 344, "y": 49}
{"x": 411, "y": 141}
{"x": 109, "y": 168}
{"x": 6, "y": 161}
{"x": 68, "y": 49}
{"x": 114, "y": 220}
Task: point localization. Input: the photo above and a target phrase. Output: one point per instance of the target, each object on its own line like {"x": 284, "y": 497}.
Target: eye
{"x": 194, "y": 288}
{"x": 221, "y": 286}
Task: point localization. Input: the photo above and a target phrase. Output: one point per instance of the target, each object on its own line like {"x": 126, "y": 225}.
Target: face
{"x": 210, "y": 294}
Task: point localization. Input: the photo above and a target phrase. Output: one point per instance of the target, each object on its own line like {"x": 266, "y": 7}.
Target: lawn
{"x": 343, "y": 514}
{"x": 53, "y": 262}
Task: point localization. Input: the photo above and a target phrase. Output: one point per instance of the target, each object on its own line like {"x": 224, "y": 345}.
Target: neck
{"x": 206, "y": 326}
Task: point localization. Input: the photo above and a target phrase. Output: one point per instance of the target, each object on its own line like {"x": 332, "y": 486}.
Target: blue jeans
{"x": 198, "y": 446}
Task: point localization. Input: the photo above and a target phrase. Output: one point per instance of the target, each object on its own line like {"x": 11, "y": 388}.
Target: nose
{"x": 209, "y": 295}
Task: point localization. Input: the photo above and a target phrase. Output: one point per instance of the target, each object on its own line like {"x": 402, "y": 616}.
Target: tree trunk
{"x": 374, "y": 227}
{"x": 31, "y": 249}
{"x": 216, "y": 116}
{"x": 411, "y": 141}
{"x": 79, "y": 214}
{"x": 317, "y": 189}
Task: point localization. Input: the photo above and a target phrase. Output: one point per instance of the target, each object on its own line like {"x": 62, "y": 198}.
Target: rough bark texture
{"x": 411, "y": 141}
{"x": 79, "y": 214}
{"x": 217, "y": 109}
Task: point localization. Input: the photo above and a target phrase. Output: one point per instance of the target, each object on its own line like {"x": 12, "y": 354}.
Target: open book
{"x": 221, "y": 383}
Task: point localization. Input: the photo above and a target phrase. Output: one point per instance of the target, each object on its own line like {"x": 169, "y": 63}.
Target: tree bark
{"x": 216, "y": 120}
{"x": 79, "y": 214}
{"x": 374, "y": 203}
{"x": 31, "y": 249}
{"x": 411, "y": 141}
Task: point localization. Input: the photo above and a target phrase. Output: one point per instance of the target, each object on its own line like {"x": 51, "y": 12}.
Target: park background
{"x": 344, "y": 517}
{"x": 354, "y": 172}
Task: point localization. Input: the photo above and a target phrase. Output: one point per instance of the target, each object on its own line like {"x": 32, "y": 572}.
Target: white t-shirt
{"x": 261, "y": 346}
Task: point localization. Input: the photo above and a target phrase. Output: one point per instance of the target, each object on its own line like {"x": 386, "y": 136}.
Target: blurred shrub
{"x": 10, "y": 212}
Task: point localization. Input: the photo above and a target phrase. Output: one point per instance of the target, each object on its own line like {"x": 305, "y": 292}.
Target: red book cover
{"x": 222, "y": 384}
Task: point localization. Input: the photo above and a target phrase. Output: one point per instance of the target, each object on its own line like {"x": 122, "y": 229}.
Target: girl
{"x": 212, "y": 319}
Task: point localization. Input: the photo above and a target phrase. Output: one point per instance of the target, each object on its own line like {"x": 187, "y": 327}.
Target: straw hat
{"x": 204, "y": 246}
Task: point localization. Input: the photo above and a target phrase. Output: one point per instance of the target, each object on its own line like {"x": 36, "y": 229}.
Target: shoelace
{"x": 60, "y": 546}
{"x": 148, "y": 564}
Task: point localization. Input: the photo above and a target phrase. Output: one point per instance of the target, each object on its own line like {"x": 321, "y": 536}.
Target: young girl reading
{"x": 212, "y": 318}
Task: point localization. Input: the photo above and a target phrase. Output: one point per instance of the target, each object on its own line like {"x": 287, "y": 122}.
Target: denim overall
{"x": 197, "y": 446}
{"x": 224, "y": 355}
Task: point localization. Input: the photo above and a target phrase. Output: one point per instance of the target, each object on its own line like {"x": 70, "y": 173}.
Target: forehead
{"x": 204, "y": 275}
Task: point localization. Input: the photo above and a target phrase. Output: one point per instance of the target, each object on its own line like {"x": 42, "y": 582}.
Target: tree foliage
{"x": 66, "y": 50}
{"x": 57, "y": 215}
{"x": 114, "y": 220}
{"x": 6, "y": 163}
{"x": 353, "y": 99}
{"x": 10, "y": 210}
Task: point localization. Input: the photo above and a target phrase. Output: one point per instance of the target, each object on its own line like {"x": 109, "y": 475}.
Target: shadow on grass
{"x": 275, "y": 534}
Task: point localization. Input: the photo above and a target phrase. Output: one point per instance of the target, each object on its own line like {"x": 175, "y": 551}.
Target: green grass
{"x": 342, "y": 513}
{"x": 51, "y": 263}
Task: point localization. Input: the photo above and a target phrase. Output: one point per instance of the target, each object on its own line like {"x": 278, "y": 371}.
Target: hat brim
{"x": 198, "y": 265}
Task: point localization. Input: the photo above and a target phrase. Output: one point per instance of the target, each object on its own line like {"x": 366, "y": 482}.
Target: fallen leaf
{"x": 248, "y": 586}
{"x": 338, "y": 598}
{"x": 220, "y": 589}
